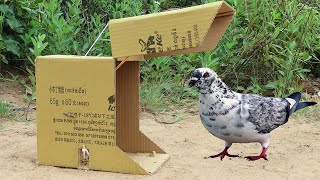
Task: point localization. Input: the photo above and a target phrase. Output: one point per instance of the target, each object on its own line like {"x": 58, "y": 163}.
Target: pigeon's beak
{"x": 193, "y": 81}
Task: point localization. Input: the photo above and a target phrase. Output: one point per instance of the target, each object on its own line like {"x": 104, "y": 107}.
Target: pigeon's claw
{"x": 262, "y": 155}
{"x": 222, "y": 154}
{"x": 253, "y": 158}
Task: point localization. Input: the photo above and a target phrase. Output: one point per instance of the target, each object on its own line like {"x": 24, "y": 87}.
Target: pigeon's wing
{"x": 266, "y": 113}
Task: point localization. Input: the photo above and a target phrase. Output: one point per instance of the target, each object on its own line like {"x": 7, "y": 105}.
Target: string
{"x": 122, "y": 62}
{"x": 97, "y": 39}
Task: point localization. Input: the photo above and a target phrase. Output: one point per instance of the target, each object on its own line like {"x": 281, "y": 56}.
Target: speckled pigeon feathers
{"x": 236, "y": 117}
{"x": 266, "y": 113}
{"x": 240, "y": 118}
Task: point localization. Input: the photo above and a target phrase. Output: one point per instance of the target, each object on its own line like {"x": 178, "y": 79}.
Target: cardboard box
{"x": 76, "y": 103}
{"x": 192, "y": 29}
{"x": 88, "y": 112}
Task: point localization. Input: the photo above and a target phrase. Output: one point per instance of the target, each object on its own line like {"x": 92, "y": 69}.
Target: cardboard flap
{"x": 192, "y": 29}
{"x": 129, "y": 138}
{"x": 115, "y": 160}
{"x": 148, "y": 161}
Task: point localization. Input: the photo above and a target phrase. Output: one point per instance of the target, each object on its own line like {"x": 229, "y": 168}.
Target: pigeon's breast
{"x": 231, "y": 131}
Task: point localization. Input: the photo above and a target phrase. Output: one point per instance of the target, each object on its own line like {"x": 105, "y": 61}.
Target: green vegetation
{"x": 3, "y": 108}
{"x": 269, "y": 47}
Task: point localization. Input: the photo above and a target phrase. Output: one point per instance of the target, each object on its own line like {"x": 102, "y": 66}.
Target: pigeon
{"x": 240, "y": 118}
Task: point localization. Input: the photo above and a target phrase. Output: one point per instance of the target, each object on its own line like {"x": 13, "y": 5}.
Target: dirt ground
{"x": 293, "y": 154}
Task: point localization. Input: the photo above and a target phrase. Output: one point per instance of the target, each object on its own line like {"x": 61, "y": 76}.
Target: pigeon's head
{"x": 202, "y": 78}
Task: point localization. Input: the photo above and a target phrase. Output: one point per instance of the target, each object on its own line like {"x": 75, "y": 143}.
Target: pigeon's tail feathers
{"x": 295, "y": 105}
{"x": 293, "y": 99}
{"x": 302, "y": 105}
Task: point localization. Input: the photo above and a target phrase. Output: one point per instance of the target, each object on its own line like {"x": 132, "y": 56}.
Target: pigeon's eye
{"x": 205, "y": 75}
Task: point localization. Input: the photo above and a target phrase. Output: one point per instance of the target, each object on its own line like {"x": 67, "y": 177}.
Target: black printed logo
{"x": 112, "y": 101}
{"x": 153, "y": 44}
{"x": 147, "y": 46}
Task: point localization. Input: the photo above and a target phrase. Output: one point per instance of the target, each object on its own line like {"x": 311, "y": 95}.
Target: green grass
{"x": 6, "y": 111}
{"x": 3, "y": 109}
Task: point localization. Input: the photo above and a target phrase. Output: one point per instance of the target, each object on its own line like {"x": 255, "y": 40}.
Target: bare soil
{"x": 293, "y": 154}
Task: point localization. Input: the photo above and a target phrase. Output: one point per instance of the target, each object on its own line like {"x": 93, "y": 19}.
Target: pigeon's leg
{"x": 223, "y": 153}
{"x": 262, "y": 155}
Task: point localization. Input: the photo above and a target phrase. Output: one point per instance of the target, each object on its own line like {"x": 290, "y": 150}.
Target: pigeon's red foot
{"x": 253, "y": 158}
{"x": 262, "y": 155}
{"x": 222, "y": 154}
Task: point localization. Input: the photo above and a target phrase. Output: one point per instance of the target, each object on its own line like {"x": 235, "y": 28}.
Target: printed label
{"x": 154, "y": 43}
{"x": 83, "y": 127}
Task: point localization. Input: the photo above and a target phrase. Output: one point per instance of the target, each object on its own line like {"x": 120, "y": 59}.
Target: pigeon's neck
{"x": 217, "y": 91}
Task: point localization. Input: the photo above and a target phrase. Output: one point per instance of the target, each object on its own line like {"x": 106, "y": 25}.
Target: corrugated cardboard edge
{"x": 215, "y": 32}
{"x": 131, "y": 58}
{"x": 71, "y": 57}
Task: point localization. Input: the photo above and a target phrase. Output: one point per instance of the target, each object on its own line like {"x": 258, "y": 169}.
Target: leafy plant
{"x": 30, "y": 89}
{"x": 10, "y": 28}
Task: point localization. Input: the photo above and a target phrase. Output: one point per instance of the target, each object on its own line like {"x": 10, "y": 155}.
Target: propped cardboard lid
{"x": 192, "y": 29}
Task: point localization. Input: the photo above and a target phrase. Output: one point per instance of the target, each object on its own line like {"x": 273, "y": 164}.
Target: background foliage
{"x": 269, "y": 48}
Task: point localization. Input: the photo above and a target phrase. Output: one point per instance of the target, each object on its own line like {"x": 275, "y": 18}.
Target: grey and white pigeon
{"x": 240, "y": 118}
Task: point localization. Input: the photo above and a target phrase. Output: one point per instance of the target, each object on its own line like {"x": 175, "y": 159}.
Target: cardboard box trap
{"x": 88, "y": 113}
